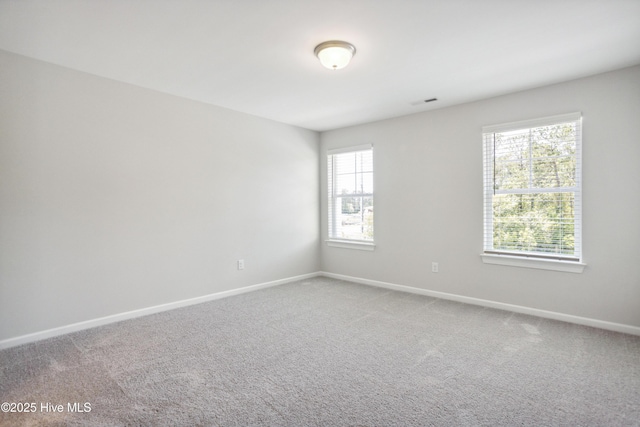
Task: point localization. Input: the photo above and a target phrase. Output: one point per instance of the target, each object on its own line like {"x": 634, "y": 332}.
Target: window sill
{"x": 542, "y": 264}
{"x": 346, "y": 244}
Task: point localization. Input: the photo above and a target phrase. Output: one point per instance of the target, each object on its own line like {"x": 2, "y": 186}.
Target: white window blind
{"x": 350, "y": 185}
{"x": 533, "y": 188}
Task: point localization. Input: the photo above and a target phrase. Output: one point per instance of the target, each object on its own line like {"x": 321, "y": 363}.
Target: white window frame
{"x": 333, "y": 240}
{"x": 573, "y": 264}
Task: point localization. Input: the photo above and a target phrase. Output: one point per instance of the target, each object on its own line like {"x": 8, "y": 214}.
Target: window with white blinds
{"x": 350, "y": 185}
{"x": 532, "y": 188}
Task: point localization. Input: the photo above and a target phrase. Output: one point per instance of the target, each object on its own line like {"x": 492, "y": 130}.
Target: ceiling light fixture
{"x": 335, "y": 54}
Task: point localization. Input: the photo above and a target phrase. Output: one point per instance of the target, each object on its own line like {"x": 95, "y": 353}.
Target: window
{"x": 532, "y": 191}
{"x": 350, "y": 185}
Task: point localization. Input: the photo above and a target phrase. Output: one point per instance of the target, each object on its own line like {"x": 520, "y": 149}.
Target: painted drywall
{"x": 428, "y": 201}
{"x": 115, "y": 198}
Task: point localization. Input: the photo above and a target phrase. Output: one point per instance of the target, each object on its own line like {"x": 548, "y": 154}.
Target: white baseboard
{"x": 602, "y": 324}
{"x": 50, "y": 333}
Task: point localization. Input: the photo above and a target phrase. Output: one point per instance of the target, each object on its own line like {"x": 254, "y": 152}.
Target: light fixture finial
{"x": 335, "y": 54}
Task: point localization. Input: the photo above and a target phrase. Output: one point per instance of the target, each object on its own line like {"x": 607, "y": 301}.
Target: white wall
{"x": 428, "y": 201}
{"x": 115, "y": 198}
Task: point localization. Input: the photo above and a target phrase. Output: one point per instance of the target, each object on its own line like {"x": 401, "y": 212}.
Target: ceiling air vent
{"x": 424, "y": 101}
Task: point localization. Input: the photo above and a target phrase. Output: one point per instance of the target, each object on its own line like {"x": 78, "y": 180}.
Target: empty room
{"x": 319, "y": 213}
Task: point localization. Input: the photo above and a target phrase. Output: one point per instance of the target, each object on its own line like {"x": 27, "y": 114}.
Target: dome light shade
{"x": 335, "y": 54}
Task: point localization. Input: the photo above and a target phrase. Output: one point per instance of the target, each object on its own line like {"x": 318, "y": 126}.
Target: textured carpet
{"x": 323, "y": 352}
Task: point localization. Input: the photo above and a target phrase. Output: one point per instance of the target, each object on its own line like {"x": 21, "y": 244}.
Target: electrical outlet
{"x": 434, "y": 267}
{"x": 240, "y": 264}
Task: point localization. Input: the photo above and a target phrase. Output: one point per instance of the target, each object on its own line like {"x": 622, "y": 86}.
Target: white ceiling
{"x": 256, "y": 56}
